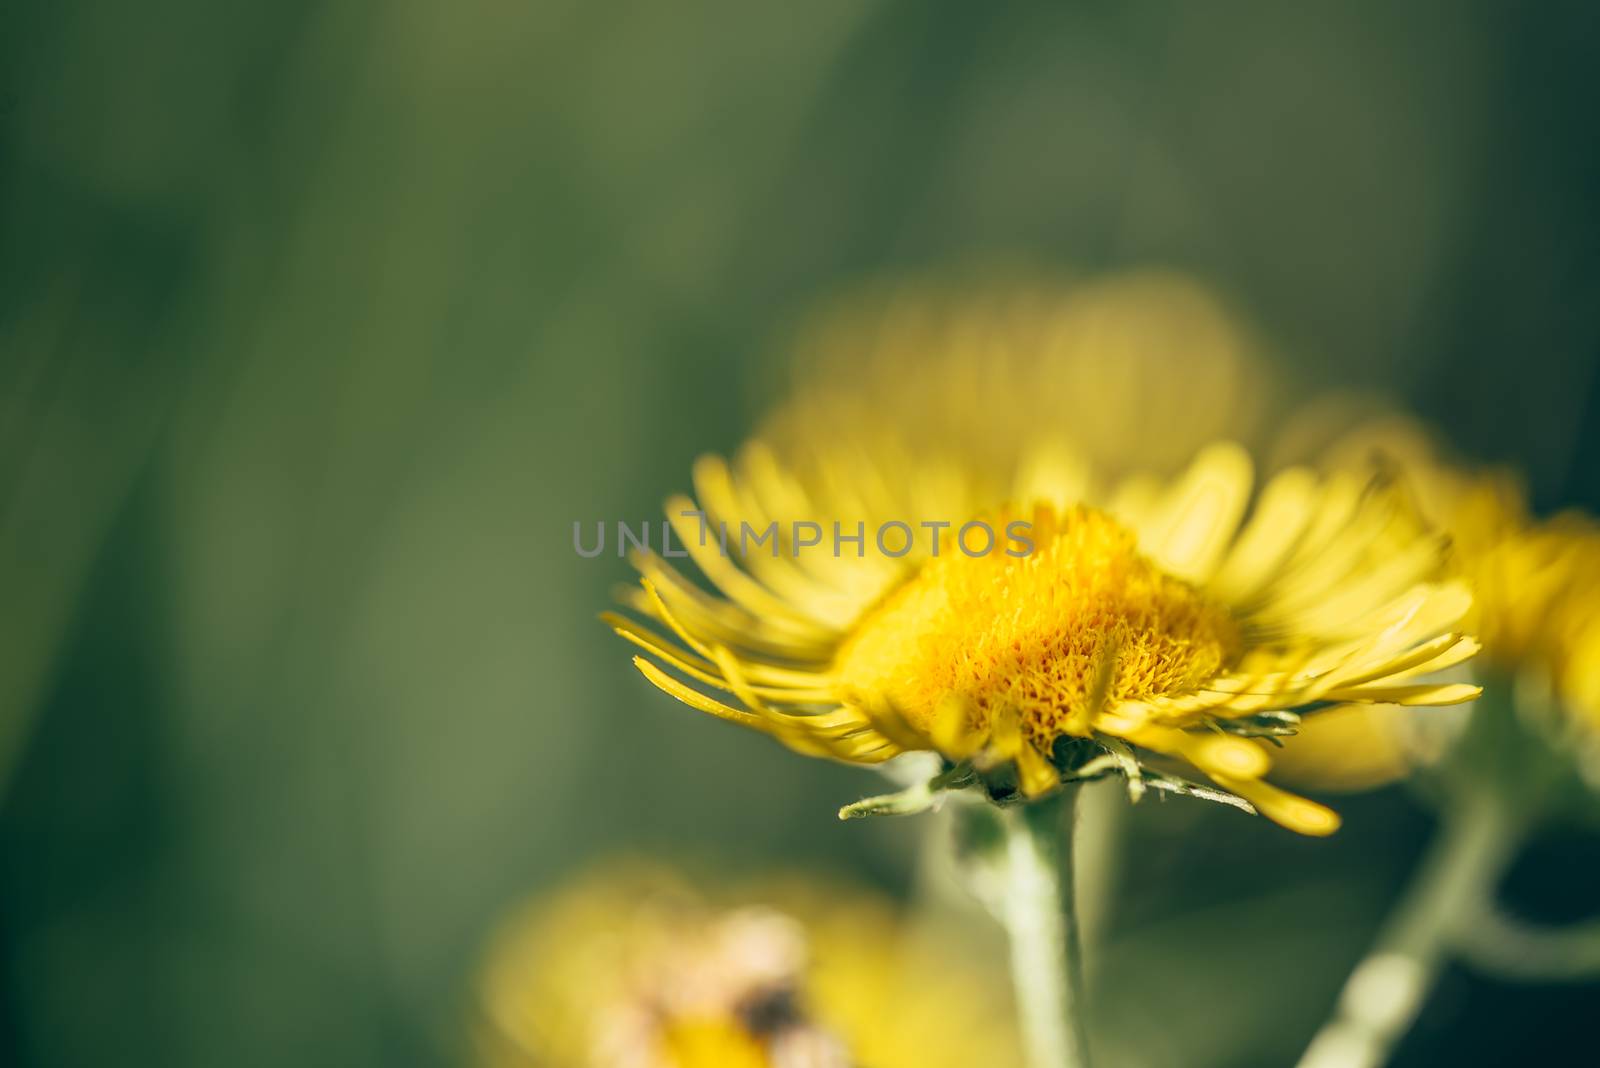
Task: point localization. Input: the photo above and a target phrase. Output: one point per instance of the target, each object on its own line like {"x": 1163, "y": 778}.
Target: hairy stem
{"x": 1037, "y": 910}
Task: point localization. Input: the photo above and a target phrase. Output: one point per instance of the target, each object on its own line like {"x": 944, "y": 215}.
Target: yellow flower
{"x": 1059, "y": 625}
{"x": 1535, "y": 582}
{"x": 1135, "y": 371}
{"x": 635, "y": 967}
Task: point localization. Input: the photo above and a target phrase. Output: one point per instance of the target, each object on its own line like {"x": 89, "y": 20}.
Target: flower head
{"x": 1138, "y": 370}
{"x": 1535, "y": 582}
{"x": 989, "y": 595}
{"x": 637, "y": 968}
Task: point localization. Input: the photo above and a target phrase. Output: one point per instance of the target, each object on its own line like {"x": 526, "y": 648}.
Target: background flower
{"x": 632, "y": 965}
{"x": 1536, "y": 593}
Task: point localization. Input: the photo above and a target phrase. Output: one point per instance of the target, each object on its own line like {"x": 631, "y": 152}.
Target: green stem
{"x": 1102, "y": 807}
{"x": 1512, "y": 949}
{"x": 1386, "y": 991}
{"x": 1037, "y": 910}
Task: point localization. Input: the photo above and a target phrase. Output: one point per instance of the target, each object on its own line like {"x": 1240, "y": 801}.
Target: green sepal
{"x": 1174, "y": 784}
{"x": 918, "y": 797}
{"x": 1268, "y": 725}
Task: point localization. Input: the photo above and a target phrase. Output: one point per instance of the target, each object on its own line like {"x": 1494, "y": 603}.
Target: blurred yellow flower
{"x": 1136, "y": 371}
{"x": 1536, "y": 596}
{"x": 1115, "y": 620}
{"x": 634, "y": 967}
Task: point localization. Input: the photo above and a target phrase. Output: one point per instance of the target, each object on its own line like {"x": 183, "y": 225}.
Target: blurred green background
{"x": 321, "y": 323}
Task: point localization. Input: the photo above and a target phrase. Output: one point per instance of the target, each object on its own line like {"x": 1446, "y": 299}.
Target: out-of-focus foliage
{"x": 321, "y": 323}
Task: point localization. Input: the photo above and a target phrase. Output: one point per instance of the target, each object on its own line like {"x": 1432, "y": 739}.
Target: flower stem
{"x": 1037, "y": 910}
{"x": 1386, "y": 991}
{"x": 1512, "y": 949}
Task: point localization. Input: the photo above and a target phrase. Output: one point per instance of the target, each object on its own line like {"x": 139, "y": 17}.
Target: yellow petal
{"x": 1199, "y": 517}
{"x": 1298, "y": 814}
